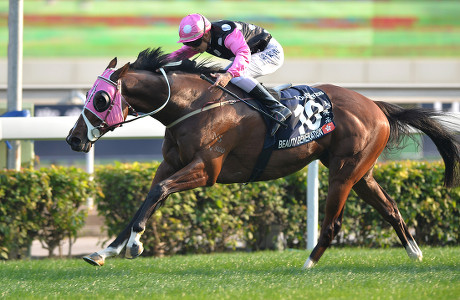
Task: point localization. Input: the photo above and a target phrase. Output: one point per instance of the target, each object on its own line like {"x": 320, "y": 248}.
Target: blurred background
{"x": 407, "y": 52}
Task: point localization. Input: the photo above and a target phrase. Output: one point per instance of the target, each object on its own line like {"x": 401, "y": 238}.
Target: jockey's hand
{"x": 222, "y": 80}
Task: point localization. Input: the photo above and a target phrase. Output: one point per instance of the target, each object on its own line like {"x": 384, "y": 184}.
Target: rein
{"x": 211, "y": 106}
{"x": 152, "y": 112}
{"x": 94, "y": 132}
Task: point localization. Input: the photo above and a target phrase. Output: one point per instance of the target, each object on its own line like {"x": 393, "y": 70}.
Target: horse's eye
{"x": 101, "y": 101}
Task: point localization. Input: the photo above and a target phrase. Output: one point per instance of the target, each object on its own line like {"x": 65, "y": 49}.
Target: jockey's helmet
{"x": 192, "y": 27}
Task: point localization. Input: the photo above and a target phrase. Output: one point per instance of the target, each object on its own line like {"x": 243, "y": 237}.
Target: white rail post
{"x": 312, "y": 205}
{"x": 90, "y": 171}
{"x": 437, "y": 105}
{"x": 14, "y": 93}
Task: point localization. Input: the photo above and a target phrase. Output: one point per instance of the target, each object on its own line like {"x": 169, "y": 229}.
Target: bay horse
{"x": 207, "y": 141}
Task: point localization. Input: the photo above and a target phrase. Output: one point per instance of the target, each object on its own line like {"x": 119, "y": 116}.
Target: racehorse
{"x": 212, "y": 137}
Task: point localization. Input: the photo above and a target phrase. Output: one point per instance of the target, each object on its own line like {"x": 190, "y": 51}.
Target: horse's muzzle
{"x": 77, "y": 145}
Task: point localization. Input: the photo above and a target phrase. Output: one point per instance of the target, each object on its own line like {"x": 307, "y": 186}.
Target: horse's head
{"x": 103, "y": 110}
{"x": 147, "y": 89}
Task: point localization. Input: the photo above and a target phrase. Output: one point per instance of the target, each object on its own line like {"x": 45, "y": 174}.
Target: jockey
{"x": 252, "y": 50}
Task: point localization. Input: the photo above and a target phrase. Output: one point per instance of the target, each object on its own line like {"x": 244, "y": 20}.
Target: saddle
{"x": 276, "y": 91}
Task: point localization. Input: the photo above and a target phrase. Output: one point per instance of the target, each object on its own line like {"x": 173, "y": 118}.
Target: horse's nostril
{"x": 74, "y": 141}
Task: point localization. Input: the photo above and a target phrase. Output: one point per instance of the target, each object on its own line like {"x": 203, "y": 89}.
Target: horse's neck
{"x": 185, "y": 93}
{"x": 189, "y": 93}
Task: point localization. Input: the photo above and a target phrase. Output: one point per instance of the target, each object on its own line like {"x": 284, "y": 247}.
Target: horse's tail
{"x": 402, "y": 119}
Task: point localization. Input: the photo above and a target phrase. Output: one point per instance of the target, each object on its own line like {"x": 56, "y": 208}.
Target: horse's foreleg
{"x": 371, "y": 192}
{"x": 115, "y": 248}
{"x": 98, "y": 258}
{"x": 134, "y": 246}
{"x": 190, "y": 177}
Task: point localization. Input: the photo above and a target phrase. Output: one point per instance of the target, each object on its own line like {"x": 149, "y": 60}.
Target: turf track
{"x": 341, "y": 274}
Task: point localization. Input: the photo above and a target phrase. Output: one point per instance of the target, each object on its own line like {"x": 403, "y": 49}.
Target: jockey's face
{"x": 203, "y": 46}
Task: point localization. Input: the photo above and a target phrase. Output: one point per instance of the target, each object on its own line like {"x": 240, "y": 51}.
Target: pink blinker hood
{"x": 111, "y": 116}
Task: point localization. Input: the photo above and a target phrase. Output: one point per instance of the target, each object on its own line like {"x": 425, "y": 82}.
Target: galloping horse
{"x": 212, "y": 138}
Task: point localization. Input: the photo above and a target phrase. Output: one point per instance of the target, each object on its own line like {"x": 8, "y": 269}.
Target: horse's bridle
{"x": 94, "y": 132}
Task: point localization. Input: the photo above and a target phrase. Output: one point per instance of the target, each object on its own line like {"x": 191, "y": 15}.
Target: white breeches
{"x": 262, "y": 63}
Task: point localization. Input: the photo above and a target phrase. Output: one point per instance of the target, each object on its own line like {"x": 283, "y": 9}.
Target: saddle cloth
{"x": 311, "y": 119}
{"x": 311, "y": 116}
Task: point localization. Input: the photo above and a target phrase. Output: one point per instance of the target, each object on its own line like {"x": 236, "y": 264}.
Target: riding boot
{"x": 279, "y": 111}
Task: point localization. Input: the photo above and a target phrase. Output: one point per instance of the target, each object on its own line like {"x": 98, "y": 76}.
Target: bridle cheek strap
{"x": 152, "y": 112}
{"x": 93, "y": 132}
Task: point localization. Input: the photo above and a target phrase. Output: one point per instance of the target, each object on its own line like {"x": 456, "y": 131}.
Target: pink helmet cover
{"x": 192, "y": 27}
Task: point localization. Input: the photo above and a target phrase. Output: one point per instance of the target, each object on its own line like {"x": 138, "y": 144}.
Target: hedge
{"x": 43, "y": 204}
{"x": 47, "y": 204}
{"x": 252, "y": 216}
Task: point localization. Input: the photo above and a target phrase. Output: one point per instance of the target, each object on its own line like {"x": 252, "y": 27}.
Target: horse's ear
{"x": 120, "y": 72}
{"x": 112, "y": 64}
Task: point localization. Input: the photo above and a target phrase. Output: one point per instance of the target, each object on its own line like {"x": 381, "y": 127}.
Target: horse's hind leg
{"x": 372, "y": 193}
{"x": 344, "y": 172}
{"x": 335, "y": 202}
{"x": 336, "y": 226}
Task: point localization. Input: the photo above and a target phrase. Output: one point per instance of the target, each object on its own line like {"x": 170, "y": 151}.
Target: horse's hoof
{"x": 308, "y": 264}
{"x": 413, "y": 251}
{"x": 418, "y": 257}
{"x": 94, "y": 259}
{"x": 134, "y": 251}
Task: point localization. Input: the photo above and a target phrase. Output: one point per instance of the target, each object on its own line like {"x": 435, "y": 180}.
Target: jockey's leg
{"x": 278, "y": 110}
{"x": 263, "y": 63}
{"x": 259, "y": 92}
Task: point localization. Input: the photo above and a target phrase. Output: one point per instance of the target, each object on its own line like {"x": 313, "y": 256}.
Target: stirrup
{"x": 275, "y": 129}
{"x": 283, "y": 115}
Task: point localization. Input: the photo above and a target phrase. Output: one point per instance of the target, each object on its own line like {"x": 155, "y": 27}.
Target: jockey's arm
{"x": 237, "y": 44}
{"x": 182, "y": 53}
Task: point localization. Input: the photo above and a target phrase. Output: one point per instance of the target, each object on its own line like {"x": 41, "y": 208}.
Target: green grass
{"x": 341, "y": 274}
{"x": 436, "y": 32}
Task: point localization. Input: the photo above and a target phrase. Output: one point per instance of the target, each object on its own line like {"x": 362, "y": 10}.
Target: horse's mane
{"x": 153, "y": 59}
